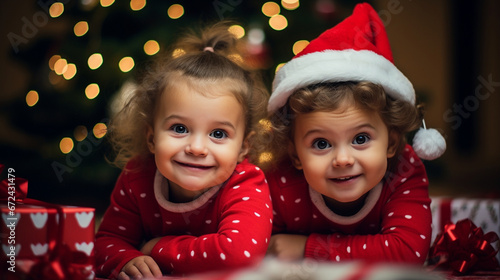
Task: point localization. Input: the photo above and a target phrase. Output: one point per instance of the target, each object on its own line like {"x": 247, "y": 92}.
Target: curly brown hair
{"x": 188, "y": 58}
{"x": 399, "y": 116}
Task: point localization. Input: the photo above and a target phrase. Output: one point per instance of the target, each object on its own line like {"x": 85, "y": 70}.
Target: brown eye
{"x": 321, "y": 144}
{"x": 361, "y": 139}
{"x": 178, "y": 128}
{"x": 218, "y": 134}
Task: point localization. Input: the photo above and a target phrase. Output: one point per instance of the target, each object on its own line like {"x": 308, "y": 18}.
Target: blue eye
{"x": 361, "y": 139}
{"x": 321, "y": 144}
{"x": 218, "y": 134}
{"x": 179, "y": 128}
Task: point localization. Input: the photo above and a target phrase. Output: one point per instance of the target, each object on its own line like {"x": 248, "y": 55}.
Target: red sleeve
{"x": 118, "y": 236}
{"x": 405, "y": 220}
{"x": 242, "y": 235}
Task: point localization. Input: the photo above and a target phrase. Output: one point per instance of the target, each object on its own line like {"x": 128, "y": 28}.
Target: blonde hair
{"x": 210, "y": 55}
{"x": 399, "y": 116}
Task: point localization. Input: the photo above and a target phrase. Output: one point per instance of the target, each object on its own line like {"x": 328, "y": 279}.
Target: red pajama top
{"x": 394, "y": 225}
{"x": 226, "y": 227}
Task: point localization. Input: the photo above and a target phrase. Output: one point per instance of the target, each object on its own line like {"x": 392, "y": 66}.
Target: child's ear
{"x": 245, "y": 146}
{"x": 292, "y": 152}
{"x": 394, "y": 139}
{"x": 150, "y": 139}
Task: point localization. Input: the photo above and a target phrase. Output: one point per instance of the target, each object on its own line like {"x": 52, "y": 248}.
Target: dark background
{"x": 448, "y": 49}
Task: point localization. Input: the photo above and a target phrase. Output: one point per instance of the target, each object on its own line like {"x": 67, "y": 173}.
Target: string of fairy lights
{"x": 62, "y": 68}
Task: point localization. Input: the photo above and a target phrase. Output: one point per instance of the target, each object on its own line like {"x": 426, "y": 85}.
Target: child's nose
{"x": 197, "y": 146}
{"x": 343, "y": 157}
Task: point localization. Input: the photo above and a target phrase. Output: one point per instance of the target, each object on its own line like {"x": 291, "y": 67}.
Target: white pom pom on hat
{"x": 356, "y": 49}
{"x": 429, "y": 144}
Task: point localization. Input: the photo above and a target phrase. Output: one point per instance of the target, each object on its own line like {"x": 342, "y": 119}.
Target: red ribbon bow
{"x": 60, "y": 263}
{"x": 464, "y": 248}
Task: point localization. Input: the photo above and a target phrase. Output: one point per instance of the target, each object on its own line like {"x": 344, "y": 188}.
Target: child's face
{"x": 343, "y": 153}
{"x": 197, "y": 139}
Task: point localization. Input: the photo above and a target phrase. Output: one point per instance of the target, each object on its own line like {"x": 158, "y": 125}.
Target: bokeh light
{"x": 151, "y": 47}
{"x": 278, "y": 22}
{"x": 56, "y": 9}
{"x": 95, "y": 61}
{"x": 137, "y": 5}
{"x": 175, "y": 11}
{"x": 236, "y": 58}
{"x": 55, "y": 79}
{"x": 299, "y": 46}
{"x": 99, "y": 130}
{"x": 265, "y": 157}
{"x": 279, "y": 67}
{"x": 81, "y": 28}
{"x": 256, "y": 36}
{"x": 126, "y": 64}
{"x": 53, "y": 61}
{"x": 80, "y": 133}
{"x": 107, "y": 3}
{"x": 92, "y": 91}
{"x": 290, "y": 4}
{"x": 237, "y": 30}
{"x": 178, "y": 52}
{"x": 60, "y": 66}
{"x": 270, "y": 9}
{"x": 32, "y": 98}
{"x": 66, "y": 145}
{"x": 70, "y": 71}
{"x": 265, "y": 124}
{"x": 88, "y": 5}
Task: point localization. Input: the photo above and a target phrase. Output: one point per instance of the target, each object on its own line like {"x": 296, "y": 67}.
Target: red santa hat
{"x": 356, "y": 49}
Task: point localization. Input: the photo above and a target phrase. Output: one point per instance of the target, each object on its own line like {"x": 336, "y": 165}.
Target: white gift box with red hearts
{"x": 30, "y": 232}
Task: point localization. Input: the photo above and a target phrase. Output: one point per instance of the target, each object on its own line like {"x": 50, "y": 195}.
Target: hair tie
{"x": 208, "y": 49}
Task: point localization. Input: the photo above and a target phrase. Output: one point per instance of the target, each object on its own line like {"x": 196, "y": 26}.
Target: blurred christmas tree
{"x": 80, "y": 54}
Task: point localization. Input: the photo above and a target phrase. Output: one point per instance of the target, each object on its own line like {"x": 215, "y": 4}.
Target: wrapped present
{"x": 42, "y": 240}
{"x": 464, "y": 248}
{"x": 484, "y": 213}
{"x": 474, "y": 222}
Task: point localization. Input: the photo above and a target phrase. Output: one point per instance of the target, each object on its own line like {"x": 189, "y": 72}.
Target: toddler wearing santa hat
{"x": 345, "y": 184}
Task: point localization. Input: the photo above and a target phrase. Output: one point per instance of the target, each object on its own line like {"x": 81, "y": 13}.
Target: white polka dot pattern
{"x": 235, "y": 224}
{"x": 398, "y": 214}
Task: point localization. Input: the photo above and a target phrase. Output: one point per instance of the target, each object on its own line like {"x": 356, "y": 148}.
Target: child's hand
{"x": 140, "y": 267}
{"x": 287, "y": 246}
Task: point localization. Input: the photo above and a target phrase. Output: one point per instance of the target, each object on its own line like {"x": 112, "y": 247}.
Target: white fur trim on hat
{"x": 339, "y": 66}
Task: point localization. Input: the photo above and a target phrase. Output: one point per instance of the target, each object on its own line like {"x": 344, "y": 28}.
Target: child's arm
{"x": 406, "y": 224}
{"x": 243, "y": 231}
{"x": 120, "y": 232}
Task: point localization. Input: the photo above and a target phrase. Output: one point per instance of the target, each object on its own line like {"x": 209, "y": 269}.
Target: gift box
{"x": 484, "y": 213}
{"x": 42, "y": 240}
{"x": 465, "y": 236}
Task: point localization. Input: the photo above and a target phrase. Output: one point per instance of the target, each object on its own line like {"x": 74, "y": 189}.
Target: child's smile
{"x": 193, "y": 166}
{"x": 345, "y": 179}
